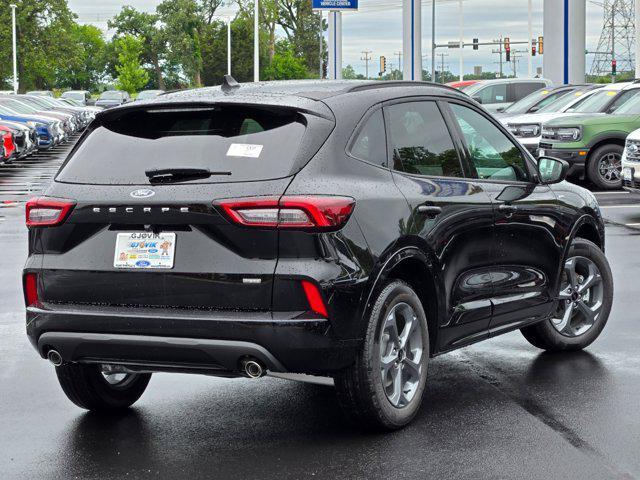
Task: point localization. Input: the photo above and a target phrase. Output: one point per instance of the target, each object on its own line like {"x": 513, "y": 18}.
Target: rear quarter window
{"x": 250, "y": 143}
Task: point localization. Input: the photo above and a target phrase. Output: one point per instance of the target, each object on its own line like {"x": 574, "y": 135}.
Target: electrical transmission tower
{"x": 617, "y": 39}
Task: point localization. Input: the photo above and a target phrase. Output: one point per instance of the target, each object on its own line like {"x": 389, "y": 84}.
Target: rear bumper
{"x": 188, "y": 339}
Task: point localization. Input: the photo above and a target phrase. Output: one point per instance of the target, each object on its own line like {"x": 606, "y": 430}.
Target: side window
{"x": 493, "y": 154}
{"x": 522, "y": 89}
{"x": 370, "y": 144}
{"x": 420, "y": 141}
{"x": 620, "y": 99}
{"x": 493, "y": 94}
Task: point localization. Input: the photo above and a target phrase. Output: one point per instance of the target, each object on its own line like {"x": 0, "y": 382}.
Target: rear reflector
{"x": 47, "y": 212}
{"x": 314, "y": 298}
{"x": 313, "y": 212}
{"x": 30, "y": 285}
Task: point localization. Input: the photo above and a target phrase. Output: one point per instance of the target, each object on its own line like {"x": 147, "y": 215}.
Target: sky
{"x": 377, "y": 27}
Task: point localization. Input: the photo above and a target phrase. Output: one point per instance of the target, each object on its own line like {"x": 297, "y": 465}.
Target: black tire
{"x": 593, "y": 172}
{"x": 360, "y": 387}
{"x": 85, "y": 386}
{"x": 545, "y": 336}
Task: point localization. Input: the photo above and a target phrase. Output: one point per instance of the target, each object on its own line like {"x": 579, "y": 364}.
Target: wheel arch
{"x": 417, "y": 268}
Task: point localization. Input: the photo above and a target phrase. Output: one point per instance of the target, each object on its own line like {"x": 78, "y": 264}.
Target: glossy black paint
{"x": 483, "y": 260}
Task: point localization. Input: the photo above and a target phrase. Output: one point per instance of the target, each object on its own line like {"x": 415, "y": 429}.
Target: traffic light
{"x": 507, "y": 48}
{"x": 614, "y": 64}
{"x": 533, "y": 47}
{"x": 475, "y": 44}
{"x": 383, "y": 65}
{"x": 540, "y": 45}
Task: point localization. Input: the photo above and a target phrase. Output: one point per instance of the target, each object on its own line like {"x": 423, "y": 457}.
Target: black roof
{"x": 311, "y": 89}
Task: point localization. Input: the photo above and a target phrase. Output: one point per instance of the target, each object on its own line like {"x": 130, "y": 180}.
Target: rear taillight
{"x": 47, "y": 212}
{"x": 314, "y": 212}
{"x": 316, "y": 303}
{"x": 30, "y": 285}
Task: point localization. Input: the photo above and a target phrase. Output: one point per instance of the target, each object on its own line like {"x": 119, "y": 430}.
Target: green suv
{"x": 592, "y": 144}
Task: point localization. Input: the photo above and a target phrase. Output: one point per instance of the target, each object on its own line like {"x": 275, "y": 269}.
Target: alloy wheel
{"x": 401, "y": 350}
{"x": 581, "y": 297}
{"x": 610, "y": 167}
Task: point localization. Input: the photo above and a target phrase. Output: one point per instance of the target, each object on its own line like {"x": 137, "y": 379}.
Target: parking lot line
{"x": 634, "y": 205}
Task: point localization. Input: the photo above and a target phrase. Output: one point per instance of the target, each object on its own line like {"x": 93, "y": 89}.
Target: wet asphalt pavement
{"x": 499, "y": 409}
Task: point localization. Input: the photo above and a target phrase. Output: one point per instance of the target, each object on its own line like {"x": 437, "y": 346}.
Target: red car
{"x": 462, "y": 85}
{"x": 8, "y": 147}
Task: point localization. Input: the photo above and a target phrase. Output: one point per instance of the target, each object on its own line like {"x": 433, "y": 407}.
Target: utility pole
{"x": 499, "y": 52}
{"x": 15, "y": 53}
{"x": 366, "y": 60}
{"x": 515, "y": 55}
{"x": 613, "y": 39}
{"x": 399, "y": 55}
{"x": 442, "y": 55}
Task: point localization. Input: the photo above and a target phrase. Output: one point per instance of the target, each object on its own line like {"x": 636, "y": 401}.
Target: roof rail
{"x": 399, "y": 83}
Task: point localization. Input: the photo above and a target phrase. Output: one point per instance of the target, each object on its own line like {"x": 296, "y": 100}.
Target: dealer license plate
{"x": 144, "y": 250}
{"x": 541, "y": 152}
{"x": 627, "y": 174}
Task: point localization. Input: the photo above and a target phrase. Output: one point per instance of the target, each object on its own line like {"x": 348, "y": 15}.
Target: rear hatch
{"x": 144, "y": 228}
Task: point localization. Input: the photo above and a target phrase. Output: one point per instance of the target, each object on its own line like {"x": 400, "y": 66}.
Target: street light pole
{"x": 256, "y": 44}
{"x": 461, "y": 20}
{"x": 433, "y": 40}
{"x": 530, "y": 65}
{"x": 228, "y": 45}
{"x": 15, "y": 53}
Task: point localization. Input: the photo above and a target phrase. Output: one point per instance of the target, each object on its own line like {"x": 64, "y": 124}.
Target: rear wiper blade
{"x": 159, "y": 175}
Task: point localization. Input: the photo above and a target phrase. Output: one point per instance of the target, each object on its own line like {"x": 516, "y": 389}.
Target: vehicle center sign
{"x": 334, "y": 4}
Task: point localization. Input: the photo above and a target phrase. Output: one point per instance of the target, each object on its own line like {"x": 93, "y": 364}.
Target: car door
{"x": 451, "y": 215}
{"x": 528, "y": 229}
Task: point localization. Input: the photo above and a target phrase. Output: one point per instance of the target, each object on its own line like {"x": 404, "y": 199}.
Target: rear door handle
{"x": 429, "y": 210}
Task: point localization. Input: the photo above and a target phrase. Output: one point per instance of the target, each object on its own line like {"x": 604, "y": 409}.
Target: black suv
{"x": 345, "y": 229}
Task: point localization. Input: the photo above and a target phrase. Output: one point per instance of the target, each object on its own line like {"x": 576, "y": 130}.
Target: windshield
{"x": 559, "y": 104}
{"x": 539, "y": 98}
{"x": 595, "y": 103}
{"x": 251, "y": 143}
{"x": 70, "y": 101}
{"x": 19, "y": 106}
{"x": 631, "y": 106}
{"x": 111, "y": 96}
{"x": 35, "y": 102}
{"x": 73, "y": 95}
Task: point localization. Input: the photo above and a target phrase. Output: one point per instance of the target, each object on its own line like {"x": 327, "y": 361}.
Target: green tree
{"x": 183, "y": 24}
{"x": 85, "y": 69}
{"x": 131, "y": 76}
{"x": 349, "y": 73}
{"x": 144, "y": 26}
{"x": 45, "y": 42}
{"x": 302, "y": 28}
{"x": 285, "y": 64}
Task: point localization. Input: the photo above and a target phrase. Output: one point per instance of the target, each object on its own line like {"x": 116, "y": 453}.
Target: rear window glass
{"x": 248, "y": 143}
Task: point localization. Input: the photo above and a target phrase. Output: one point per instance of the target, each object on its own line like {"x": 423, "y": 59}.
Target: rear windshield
{"x": 111, "y": 96}
{"x": 245, "y": 143}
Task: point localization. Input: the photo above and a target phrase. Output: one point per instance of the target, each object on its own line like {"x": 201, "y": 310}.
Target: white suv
{"x": 631, "y": 162}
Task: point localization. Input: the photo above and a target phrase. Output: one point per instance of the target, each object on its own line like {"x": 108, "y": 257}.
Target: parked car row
{"x": 33, "y": 122}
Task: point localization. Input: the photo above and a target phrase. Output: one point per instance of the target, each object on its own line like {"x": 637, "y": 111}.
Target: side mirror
{"x": 552, "y": 170}
{"x": 500, "y": 109}
{"x": 533, "y": 109}
{"x": 477, "y": 99}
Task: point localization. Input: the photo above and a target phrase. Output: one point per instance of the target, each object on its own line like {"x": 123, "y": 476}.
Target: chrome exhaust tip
{"x": 253, "y": 369}
{"x": 55, "y": 358}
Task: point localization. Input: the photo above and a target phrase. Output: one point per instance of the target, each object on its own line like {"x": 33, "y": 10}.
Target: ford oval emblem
{"x": 142, "y": 193}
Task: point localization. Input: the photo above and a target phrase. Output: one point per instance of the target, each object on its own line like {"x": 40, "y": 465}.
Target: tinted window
{"x": 631, "y": 105}
{"x": 370, "y": 144}
{"x": 493, "y": 154}
{"x": 420, "y": 141}
{"x": 250, "y": 143}
{"x": 522, "y": 89}
{"x": 622, "y": 99}
{"x": 492, "y": 94}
